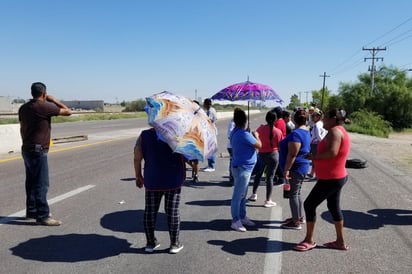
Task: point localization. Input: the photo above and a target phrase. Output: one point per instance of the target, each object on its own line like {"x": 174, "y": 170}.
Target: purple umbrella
{"x": 247, "y": 91}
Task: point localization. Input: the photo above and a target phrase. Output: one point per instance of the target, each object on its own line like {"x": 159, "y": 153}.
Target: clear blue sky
{"x": 117, "y": 50}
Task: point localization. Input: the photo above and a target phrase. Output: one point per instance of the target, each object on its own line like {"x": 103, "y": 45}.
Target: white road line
{"x": 22, "y": 213}
{"x": 273, "y": 258}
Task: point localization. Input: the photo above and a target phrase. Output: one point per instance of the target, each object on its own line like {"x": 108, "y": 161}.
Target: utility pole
{"x": 372, "y": 69}
{"x": 196, "y": 94}
{"x": 300, "y": 98}
{"x": 323, "y": 89}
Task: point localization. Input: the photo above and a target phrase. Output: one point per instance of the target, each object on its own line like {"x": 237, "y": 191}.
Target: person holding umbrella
{"x": 180, "y": 130}
{"x": 244, "y": 145}
{"x": 157, "y": 155}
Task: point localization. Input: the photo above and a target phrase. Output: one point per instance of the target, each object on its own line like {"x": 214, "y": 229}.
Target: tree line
{"x": 388, "y": 101}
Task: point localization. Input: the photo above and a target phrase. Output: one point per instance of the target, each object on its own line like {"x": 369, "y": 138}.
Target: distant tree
{"x": 294, "y": 102}
{"x": 391, "y": 97}
{"x": 18, "y": 101}
{"x": 354, "y": 96}
{"x": 335, "y": 101}
{"x": 317, "y": 98}
{"x": 135, "y": 106}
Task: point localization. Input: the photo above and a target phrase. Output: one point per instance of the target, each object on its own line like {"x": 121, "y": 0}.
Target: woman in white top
{"x": 317, "y": 133}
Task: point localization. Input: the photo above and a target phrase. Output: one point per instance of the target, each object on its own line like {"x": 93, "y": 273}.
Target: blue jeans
{"x": 211, "y": 161}
{"x": 229, "y": 150}
{"x": 37, "y": 184}
{"x": 241, "y": 178}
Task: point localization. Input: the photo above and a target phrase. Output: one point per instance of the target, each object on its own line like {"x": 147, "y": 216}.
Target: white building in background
{"x": 6, "y": 105}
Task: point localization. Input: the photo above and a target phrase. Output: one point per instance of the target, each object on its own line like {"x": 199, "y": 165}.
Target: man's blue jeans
{"x": 211, "y": 161}
{"x": 37, "y": 184}
{"x": 241, "y": 178}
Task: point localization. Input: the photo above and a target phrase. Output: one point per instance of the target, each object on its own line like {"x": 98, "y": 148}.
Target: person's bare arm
{"x": 258, "y": 143}
{"x": 64, "y": 110}
{"x": 138, "y": 158}
{"x": 293, "y": 150}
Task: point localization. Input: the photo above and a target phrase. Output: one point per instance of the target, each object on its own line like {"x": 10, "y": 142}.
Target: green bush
{"x": 369, "y": 123}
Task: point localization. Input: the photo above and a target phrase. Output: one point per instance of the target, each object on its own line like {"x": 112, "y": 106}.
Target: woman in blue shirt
{"x": 295, "y": 166}
{"x": 244, "y": 145}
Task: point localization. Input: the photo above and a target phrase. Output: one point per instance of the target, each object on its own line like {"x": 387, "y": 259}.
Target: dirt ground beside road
{"x": 395, "y": 150}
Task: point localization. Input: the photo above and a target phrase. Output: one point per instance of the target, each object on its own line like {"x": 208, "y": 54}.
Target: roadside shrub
{"x": 369, "y": 123}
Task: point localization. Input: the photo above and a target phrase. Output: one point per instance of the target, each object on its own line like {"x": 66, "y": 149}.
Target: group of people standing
{"x": 283, "y": 149}
{"x": 318, "y": 138}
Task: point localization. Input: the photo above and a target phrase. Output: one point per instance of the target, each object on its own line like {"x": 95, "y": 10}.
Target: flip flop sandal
{"x": 304, "y": 246}
{"x": 334, "y": 245}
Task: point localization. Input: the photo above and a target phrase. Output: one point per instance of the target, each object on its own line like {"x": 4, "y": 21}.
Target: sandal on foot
{"x": 304, "y": 246}
{"x": 334, "y": 245}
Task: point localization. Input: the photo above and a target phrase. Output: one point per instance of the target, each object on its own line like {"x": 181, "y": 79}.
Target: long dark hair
{"x": 239, "y": 118}
{"x": 271, "y": 118}
{"x": 300, "y": 117}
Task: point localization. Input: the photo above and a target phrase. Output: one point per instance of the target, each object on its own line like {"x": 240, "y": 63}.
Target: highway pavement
{"x": 92, "y": 190}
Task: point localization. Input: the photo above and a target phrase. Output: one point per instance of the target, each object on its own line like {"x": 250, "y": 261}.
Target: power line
{"x": 388, "y": 32}
{"x": 337, "y": 69}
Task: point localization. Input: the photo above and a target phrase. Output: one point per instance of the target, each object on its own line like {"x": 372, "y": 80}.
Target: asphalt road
{"x": 93, "y": 192}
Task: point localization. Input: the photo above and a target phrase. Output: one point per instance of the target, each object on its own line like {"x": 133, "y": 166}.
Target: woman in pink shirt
{"x": 268, "y": 156}
{"x": 330, "y": 170}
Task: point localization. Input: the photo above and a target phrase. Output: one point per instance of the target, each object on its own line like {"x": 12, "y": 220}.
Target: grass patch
{"x": 84, "y": 117}
{"x": 98, "y": 116}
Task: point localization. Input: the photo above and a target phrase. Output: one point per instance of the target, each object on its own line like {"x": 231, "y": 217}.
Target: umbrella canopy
{"x": 247, "y": 91}
{"x": 182, "y": 124}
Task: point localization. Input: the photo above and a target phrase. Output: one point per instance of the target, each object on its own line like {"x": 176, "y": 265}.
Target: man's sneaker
{"x": 176, "y": 248}
{"x": 209, "y": 169}
{"x": 292, "y": 225}
{"x": 269, "y": 204}
{"x": 238, "y": 226}
{"x": 301, "y": 220}
{"x": 49, "y": 222}
{"x": 151, "y": 247}
{"x": 246, "y": 221}
{"x": 253, "y": 197}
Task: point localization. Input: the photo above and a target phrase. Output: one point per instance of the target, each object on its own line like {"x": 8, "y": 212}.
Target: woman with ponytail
{"x": 268, "y": 156}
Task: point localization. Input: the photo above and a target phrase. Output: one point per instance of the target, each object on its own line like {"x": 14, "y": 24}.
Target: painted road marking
{"x": 22, "y": 213}
{"x": 273, "y": 258}
{"x": 54, "y": 150}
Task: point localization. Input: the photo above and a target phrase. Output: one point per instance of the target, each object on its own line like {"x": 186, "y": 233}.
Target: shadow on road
{"x": 72, "y": 248}
{"x": 373, "y": 219}
{"x": 256, "y": 245}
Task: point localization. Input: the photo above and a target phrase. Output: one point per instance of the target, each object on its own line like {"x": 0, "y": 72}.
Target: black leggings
{"x": 329, "y": 190}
